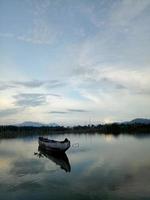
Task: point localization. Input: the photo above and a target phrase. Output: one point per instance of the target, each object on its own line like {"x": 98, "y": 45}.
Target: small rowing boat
{"x": 54, "y": 145}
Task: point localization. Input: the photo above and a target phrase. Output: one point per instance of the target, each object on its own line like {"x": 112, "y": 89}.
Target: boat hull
{"x": 54, "y": 145}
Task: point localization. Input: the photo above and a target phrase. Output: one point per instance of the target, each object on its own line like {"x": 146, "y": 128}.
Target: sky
{"x": 74, "y": 61}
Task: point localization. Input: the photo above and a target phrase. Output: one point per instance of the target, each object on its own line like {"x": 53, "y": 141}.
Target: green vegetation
{"x": 115, "y": 128}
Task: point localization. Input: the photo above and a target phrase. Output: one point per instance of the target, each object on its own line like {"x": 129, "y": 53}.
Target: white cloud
{"x": 41, "y": 33}
{"x": 127, "y": 10}
{"x": 107, "y": 71}
{"x": 40, "y": 29}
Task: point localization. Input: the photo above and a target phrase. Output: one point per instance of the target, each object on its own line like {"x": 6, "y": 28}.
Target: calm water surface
{"x": 95, "y": 167}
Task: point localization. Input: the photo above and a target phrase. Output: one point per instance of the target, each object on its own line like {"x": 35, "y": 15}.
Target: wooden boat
{"x": 54, "y": 145}
{"x": 58, "y": 157}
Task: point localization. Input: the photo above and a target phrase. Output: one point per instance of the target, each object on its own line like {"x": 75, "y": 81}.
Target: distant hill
{"x": 37, "y": 124}
{"x": 138, "y": 121}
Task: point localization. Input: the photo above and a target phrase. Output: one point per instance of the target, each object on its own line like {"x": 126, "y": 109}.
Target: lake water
{"x": 95, "y": 167}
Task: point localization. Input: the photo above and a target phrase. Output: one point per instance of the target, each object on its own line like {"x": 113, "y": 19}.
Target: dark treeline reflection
{"x": 116, "y": 129}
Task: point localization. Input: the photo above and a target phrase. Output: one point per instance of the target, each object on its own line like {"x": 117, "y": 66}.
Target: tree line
{"x": 114, "y": 128}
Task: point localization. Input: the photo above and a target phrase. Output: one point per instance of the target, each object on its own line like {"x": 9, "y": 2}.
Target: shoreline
{"x": 114, "y": 129}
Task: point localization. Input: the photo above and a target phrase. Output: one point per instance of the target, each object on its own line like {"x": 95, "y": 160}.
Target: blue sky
{"x": 72, "y": 62}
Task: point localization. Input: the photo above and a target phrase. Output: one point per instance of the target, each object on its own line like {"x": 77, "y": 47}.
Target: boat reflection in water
{"x": 59, "y": 158}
